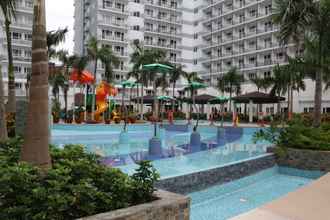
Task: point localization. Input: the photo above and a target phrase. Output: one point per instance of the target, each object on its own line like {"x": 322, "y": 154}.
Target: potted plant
{"x": 69, "y": 118}
{"x": 107, "y": 117}
{"x": 132, "y": 118}
{"x": 79, "y": 115}
{"x": 56, "y": 110}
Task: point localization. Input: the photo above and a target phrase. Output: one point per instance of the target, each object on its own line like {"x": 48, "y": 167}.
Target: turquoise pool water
{"x": 176, "y": 158}
{"x": 228, "y": 200}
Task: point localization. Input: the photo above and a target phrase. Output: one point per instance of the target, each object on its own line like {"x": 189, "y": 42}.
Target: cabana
{"x": 257, "y": 98}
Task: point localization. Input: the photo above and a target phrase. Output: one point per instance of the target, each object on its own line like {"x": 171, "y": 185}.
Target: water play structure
{"x": 104, "y": 90}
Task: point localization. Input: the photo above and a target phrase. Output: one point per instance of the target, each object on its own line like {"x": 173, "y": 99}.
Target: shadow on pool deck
{"x": 311, "y": 202}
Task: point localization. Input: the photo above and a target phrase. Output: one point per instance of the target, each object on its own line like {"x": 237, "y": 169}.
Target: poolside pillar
{"x": 195, "y": 142}
{"x": 250, "y": 111}
{"x": 155, "y": 147}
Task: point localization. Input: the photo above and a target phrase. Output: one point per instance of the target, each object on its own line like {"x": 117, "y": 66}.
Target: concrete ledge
{"x": 308, "y": 203}
{"x": 169, "y": 206}
{"x": 204, "y": 179}
{"x": 306, "y": 159}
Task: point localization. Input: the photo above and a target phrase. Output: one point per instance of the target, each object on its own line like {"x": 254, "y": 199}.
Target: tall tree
{"x": 8, "y": 10}
{"x": 3, "y": 124}
{"x": 54, "y": 38}
{"x": 175, "y": 75}
{"x": 67, "y": 62}
{"x": 279, "y": 83}
{"x": 307, "y": 22}
{"x": 142, "y": 56}
{"x": 109, "y": 60}
{"x": 94, "y": 55}
{"x": 35, "y": 149}
{"x": 261, "y": 83}
{"x": 231, "y": 82}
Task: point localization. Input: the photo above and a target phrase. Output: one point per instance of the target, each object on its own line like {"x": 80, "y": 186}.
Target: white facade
{"x": 21, "y": 32}
{"x": 206, "y": 36}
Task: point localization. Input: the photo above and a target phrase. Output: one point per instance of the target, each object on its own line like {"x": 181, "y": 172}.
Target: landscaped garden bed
{"x": 299, "y": 144}
{"x": 78, "y": 186}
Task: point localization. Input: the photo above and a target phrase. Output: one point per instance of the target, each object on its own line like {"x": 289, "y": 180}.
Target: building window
{"x": 136, "y": 27}
{"x": 17, "y": 36}
{"x": 195, "y": 36}
{"x": 137, "y": 1}
{"x": 136, "y": 14}
{"x": 196, "y": 10}
{"x": 195, "y": 62}
{"x": 195, "y": 49}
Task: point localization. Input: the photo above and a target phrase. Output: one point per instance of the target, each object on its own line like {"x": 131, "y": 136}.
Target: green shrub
{"x": 76, "y": 186}
{"x": 298, "y": 134}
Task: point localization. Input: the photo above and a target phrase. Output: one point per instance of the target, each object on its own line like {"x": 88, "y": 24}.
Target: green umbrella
{"x": 157, "y": 67}
{"x": 219, "y": 100}
{"x": 127, "y": 84}
{"x": 194, "y": 85}
{"x": 165, "y": 98}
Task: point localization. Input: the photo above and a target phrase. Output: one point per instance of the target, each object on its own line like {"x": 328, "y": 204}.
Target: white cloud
{"x": 60, "y": 15}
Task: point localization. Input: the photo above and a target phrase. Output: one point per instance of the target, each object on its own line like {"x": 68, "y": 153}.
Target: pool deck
{"x": 309, "y": 202}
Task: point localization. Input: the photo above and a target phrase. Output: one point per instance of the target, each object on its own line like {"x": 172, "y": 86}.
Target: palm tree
{"x": 175, "y": 75}
{"x": 142, "y": 56}
{"x": 94, "y": 54}
{"x": 308, "y": 22}
{"x": 67, "y": 62}
{"x": 261, "y": 83}
{"x": 35, "y": 149}
{"x": 192, "y": 77}
{"x": 8, "y": 10}
{"x": 3, "y": 124}
{"x": 54, "y": 38}
{"x": 231, "y": 82}
{"x": 109, "y": 60}
{"x": 279, "y": 83}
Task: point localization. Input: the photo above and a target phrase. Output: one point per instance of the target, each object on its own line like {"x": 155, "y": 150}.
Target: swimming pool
{"x": 228, "y": 200}
{"x": 177, "y": 158}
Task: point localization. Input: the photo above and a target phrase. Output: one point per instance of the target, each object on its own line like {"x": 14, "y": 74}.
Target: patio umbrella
{"x": 156, "y": 68}
{"x": 125, "y": 84}
{"x": 220, "y": 100}
{"x": 195, "y": 86}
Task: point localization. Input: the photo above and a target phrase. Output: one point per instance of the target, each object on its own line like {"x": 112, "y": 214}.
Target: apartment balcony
{"x": 21, "y": 25}
{"x": 114, "y": 39}
{"x": 163, "y": 32}
{"x": 120, "y": 54}
{"x": 116, "y": 10}
{"x": 162, "y": 45}
{"x": 17, "y": 42}
{"x": 26, "y": 8}
{"x": 22, "y": 58}
{"x": 159, "y": 4}
{"x": 171, "y": 20}
{"x": 114, "y": 23}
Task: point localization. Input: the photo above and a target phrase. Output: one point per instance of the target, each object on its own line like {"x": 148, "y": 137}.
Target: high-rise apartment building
{"x": 21, "y": 33}
{"x": 206, "y": 36}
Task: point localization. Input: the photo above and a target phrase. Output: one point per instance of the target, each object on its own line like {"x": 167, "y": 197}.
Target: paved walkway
{"x": 311, "y": 202}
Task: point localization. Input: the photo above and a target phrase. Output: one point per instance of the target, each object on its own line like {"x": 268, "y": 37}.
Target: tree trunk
{"x": 141, "y": 107}
{"x": 66, "y": 103}
{"x": 289, "y": 101}
{"x": 230, "y": 95}
{"x": 318, "y": 100}
{"x": 93, "y": 90}
{"x": 35, "y": 149}
{"x": 173, "y": 102}
{"x": 11, "y": 106}
{"x": 3, "y": 123}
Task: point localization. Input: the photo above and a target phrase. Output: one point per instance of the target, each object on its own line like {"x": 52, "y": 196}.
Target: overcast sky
{"x": 60, "y": 15}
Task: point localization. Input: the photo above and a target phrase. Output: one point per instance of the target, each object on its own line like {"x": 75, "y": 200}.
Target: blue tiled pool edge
{"x": 201, "y": 180}
{"x": 224, "y": 201}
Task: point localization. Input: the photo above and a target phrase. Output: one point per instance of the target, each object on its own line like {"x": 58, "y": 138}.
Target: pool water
{"x": 228, "y": 200}
{"x": 177, "y": 157}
